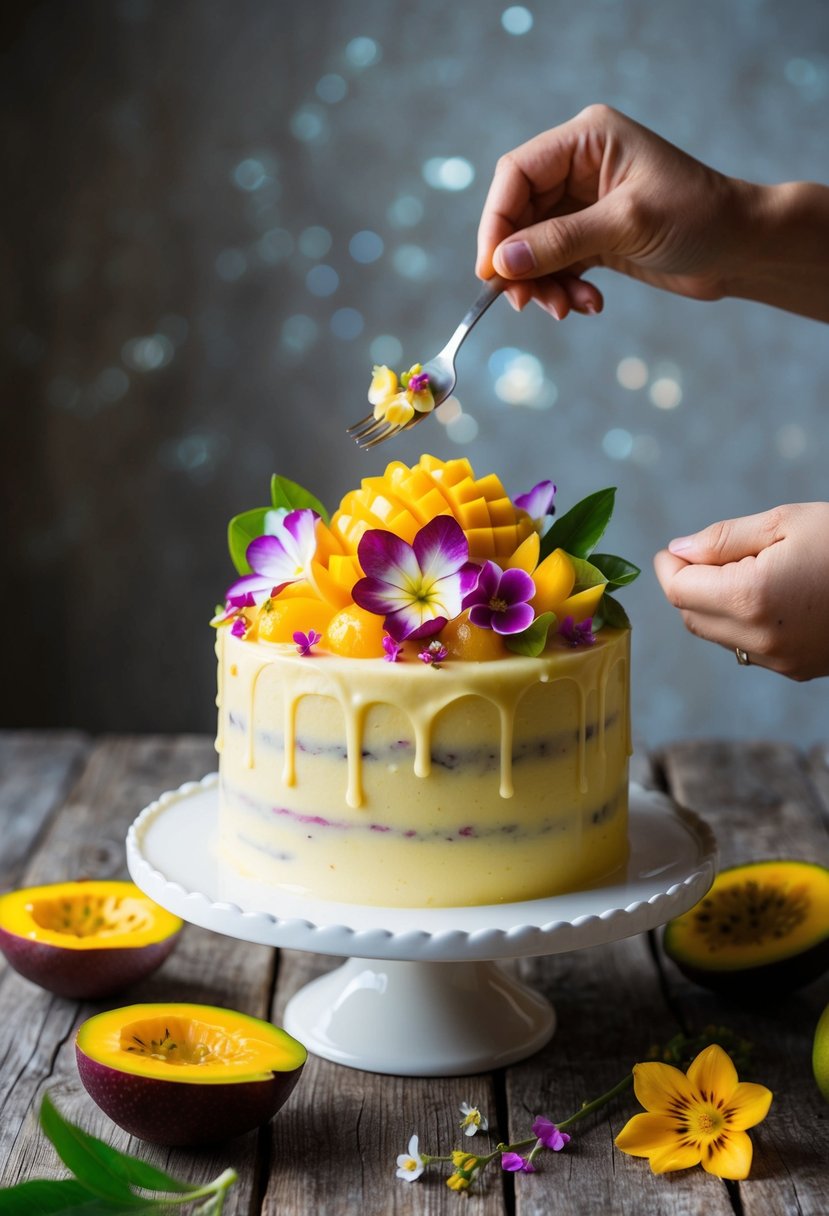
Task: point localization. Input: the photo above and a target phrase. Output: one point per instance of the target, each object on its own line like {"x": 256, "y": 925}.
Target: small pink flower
{"x": 392, "y": 648}
{"x": 239, "y": 627}
{"x": 514, "y": 1163}
{"x": 549, "y": 1135}
{"x": 418, "y": 383}
{"x": 577, "y": 635}
{"x": 435, "y": 653}
{"x": 305, "y": 642}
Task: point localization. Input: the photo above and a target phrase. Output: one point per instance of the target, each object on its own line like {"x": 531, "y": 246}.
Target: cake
{"x": 423, "y": 700}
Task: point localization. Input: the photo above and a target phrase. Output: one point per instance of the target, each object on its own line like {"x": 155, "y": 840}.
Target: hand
{"x": 600, "y": 190}
{"x": 760, "y": 583}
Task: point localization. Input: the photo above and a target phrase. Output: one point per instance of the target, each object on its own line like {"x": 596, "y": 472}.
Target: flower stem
{"x": 587, "y": 1108}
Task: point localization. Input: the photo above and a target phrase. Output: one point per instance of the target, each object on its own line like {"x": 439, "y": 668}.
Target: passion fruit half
{"x": 762, "y": 930}
{"x": 85, "y": 940}
{"x": 184, "y": 1075}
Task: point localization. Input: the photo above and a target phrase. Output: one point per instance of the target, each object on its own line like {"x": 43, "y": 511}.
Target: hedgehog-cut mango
{"x": 762, "y": 930}
{"x": 85, "y": 940}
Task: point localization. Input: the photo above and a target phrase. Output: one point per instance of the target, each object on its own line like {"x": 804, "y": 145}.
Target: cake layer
{"x": 403, "y": 784}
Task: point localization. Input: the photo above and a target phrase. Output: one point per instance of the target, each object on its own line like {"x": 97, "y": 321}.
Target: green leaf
{"x": 533, "y": 640}
{"x": 580, "y": 529}
{"x": 616, "y": 570}
{"x": 102, "y": 1169}
{"x": 587, "y": 575}
{"x": 42, "y": 1198}
{"x": 241, "y": 530}
{"x": 611, "y": 613}
{"x": 291, "y": 497}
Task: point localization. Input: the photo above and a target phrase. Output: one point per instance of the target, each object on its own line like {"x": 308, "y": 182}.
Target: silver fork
{"x": 370, "y": 431}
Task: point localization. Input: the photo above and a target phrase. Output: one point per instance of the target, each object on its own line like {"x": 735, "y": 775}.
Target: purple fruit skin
{"x": 179, "y": 1114}
{"x": 83, "y": 974}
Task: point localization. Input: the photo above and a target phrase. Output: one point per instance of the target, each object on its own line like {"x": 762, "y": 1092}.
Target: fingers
{"x": 713, "y": 605}
{"x": 731, "y": 540}
{"x": 555, "y": 244}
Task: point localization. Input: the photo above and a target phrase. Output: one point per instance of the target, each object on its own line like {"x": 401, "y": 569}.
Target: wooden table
{"x": 66, "y": 801}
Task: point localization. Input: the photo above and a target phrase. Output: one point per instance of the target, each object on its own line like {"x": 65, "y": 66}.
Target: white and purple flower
{"x": 417, "y": 587}
{"x": 538, "y": 503}
{"x": 500, "y": 600}
{"x": 276, "y": 559}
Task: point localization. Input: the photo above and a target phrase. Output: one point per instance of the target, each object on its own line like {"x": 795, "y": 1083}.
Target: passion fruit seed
{"x": 750, "y": 913}
{"x": 82, "y": 916}
{"x": 180, "y": 1041}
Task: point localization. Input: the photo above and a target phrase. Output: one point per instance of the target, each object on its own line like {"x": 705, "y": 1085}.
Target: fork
{"x": 370, "y": 431}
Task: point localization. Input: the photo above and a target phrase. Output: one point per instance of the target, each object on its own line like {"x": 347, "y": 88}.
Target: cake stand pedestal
{"x": 421, "y": 993}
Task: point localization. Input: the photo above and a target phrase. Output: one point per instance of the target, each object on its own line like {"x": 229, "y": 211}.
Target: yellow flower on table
{"x": 698, "y": 1118}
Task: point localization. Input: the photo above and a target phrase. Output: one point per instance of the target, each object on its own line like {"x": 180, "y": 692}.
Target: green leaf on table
{"x": 616, "y": 570}
{"x": 241, "y": 530}
{"x": 100, "y": 1167}
{"x": 533, "y": 640}
{"x": 611, "y": 613}
{"x": 291, "y": 497}
{"x": 42, "y": 1197}
{"x": 581, "y": 528}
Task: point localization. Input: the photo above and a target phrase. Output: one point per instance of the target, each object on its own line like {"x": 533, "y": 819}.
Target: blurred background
{"x": 217, "y": 216}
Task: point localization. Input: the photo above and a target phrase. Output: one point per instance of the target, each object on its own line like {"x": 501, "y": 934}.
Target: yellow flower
{"x": 457, "y": 1182}
{"x": 698, "y": 1118}
{"x": 463, "y": 1160}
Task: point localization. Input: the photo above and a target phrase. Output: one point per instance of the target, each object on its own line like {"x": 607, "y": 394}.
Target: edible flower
{"x": 392, "y": 648}
{"x": 538, "y": 503}
{"x": 411, "y": 1165}
{"x": 473, "y": 1121}
{"x": 549, "y": 1135}
{"x": 514, "y": 1163}
{"x": 305, "y": 642}
{"x": 398, "y": 401}
{"x": 435, "y": 653}
{"x": 500, "y": 598}
{"x": 577, "y": 635}
{"x": 239, "y": 627}
{"x": 417, "y": 587}
{"x": 693, "y": 1118}
{"x": 277, "y": 559}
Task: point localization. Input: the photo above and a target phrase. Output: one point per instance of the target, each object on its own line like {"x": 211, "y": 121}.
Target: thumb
{"x": 729, "y": 540}
{"x": 560, "y": 242}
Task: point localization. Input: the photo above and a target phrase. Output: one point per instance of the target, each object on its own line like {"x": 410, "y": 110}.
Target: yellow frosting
{"x": 396, "y": 784}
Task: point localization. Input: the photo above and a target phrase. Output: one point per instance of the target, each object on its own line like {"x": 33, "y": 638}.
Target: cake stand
{"x": 421, "y": 993}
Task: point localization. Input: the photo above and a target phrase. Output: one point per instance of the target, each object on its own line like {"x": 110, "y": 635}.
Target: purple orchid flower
{"x": 392, "y": 648}
{"x": 416, "y": 587}
{"x": 276, "y": 560}
{"x": 500, "y": 600}
{"x": 577, "y": 635}
{"x": 538, "y": 503}
{"x": 514, "y": 1163}
{"x": 435, "y": 653}
{"x": 549, "y": 1135}
{"x": 305, "y": 642}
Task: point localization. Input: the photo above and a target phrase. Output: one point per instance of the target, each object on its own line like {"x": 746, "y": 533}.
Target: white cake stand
{"x": 421, "y": 994}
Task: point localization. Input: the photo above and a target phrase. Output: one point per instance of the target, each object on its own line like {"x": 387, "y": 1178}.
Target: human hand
{"x": 601, "y": 190}
{"x": 760, "y": 583}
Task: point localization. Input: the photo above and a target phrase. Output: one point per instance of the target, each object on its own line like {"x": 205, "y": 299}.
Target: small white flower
{"x": 410, "y": 1165}
{"x": 473, "y": 1121}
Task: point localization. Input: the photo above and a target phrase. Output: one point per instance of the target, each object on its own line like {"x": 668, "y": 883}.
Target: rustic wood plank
{"x": 37, "y": 770}
{"x": 37, "y": 1030}
{"x": 610, "y": 1014}
{"x": 762, "y": 801}
{"x": 335, "y": 1145}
